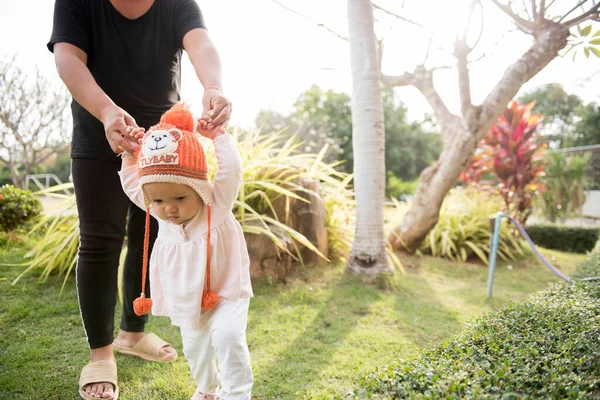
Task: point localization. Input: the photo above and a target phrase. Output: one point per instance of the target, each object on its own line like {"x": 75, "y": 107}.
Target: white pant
{"x": 222, "y": 337}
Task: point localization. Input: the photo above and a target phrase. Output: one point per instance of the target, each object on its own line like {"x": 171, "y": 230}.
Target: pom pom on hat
{"x": 179, "y": 116}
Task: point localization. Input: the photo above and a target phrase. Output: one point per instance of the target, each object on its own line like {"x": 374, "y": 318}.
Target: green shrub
{"x": 565, "y": 182}
{"x": 564, "y": 238}
{"x": 396, "y": 187}
{"x": 463, "y": 228}
{"x": 17, "y": 207}
{"x": 546, "y": 348}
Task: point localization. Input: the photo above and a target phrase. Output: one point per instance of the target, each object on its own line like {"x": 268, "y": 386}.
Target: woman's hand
{"x": 212, "y": 134}
{"x": 116, "y": 121}
{"x": 216, "y": 113}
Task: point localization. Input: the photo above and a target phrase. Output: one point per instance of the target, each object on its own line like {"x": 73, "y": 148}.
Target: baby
{"x": 199, "y": 267}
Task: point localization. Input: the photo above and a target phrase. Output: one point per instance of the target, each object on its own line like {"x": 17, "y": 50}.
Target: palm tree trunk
{"x": 368, "y": 255}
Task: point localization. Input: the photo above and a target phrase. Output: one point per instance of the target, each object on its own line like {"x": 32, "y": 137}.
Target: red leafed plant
{"x": 510, "y": 152}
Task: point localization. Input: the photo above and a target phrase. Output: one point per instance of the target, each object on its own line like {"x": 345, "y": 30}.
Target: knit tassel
{"x": 209, "y": 298}
{"x": 143, "y": 305}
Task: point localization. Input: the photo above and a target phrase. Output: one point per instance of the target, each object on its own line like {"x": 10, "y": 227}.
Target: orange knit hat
{"x": 172, "y": 153}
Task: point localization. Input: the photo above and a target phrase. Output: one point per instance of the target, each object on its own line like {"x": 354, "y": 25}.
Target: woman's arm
{"x": 71, "y": 64}
{"x": 207, "y": 64}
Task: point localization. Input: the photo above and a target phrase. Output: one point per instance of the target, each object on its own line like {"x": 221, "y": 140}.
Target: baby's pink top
{"x": 178, "y": 260}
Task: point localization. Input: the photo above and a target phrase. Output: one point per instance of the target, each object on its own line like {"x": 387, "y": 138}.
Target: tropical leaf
{"x": 271, "y": 165}
{"x": 463, "y": 228}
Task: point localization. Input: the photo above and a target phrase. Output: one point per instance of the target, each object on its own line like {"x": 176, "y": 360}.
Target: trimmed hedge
{"x": 546, "y": 348}
{"x": 564, "y": 238}
{"x": 17, "y": 207}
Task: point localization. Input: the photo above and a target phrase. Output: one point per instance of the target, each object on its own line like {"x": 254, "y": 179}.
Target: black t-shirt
{"x": 136, "y": 62}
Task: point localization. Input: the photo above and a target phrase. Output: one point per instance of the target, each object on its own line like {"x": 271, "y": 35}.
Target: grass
{"x": 310, "y": 338}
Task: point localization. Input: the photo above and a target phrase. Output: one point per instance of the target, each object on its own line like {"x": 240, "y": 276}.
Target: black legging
{"x": 103, "y": 209}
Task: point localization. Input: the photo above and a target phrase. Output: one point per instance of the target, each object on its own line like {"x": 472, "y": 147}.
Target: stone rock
{"x": 266, "y": 258}
{"x": 306, "y": 217}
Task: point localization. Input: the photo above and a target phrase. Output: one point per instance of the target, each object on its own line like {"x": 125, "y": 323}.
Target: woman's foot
{"x": 129, "y": 339}
{"x": 101, "y": 390}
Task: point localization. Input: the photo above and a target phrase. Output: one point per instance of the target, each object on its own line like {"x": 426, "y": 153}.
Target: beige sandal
{"x": 147, "y": 348}
{"x": 96, "y": 372}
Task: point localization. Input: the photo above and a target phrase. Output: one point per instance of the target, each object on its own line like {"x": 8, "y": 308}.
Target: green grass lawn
{"x": 310, "y": 338}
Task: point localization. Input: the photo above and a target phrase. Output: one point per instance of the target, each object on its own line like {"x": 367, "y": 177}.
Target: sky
{"x": 271, "y": 55}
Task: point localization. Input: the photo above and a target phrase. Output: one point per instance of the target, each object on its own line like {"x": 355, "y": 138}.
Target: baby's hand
{"x": 208, "y": 133}
{"x": 137, "y": 133}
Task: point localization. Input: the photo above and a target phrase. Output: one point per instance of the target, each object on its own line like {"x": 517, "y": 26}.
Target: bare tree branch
{"x": 572, "y": 9}
{"x": 422, "y": 79}
{"x": 543, "y": 50}
{"x": 550, "y": 5}
{"x": 428, "y": 49}
{"x": 424, "y": 82}
{"x": 398, "y": 16}
{"x": 406, "y": 79}
{"x": 465, "y": 32}
{"x": 523, "y": 24}
{"x": 380, "y": 52}
{"x": 542, "y": 10}
{"x": 33, "y": 123}
{"x": 461, "y": 51}
{"x": 311, "y": 20}
{"x": 527, "y": 10}
{"x": 480, "y": 35}
{"x": 593, "y": 12}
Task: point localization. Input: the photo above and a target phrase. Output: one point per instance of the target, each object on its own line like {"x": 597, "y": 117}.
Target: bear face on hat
{"x": 161, "y": 141}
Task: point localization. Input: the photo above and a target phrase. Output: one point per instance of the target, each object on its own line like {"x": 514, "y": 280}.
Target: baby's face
{"x": 173, "y": 202}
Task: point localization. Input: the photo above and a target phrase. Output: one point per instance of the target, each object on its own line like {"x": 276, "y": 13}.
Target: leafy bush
{"x": 17, "y": 207}
{"x": 546, "y": 348}
{"x": 57, "y": 239}
{"x": 463, "y": 228}
{"x": 564, "y": 184}
{"x": 572, "y": 239}
{"x": 510, "y": 150}
{"x": 396, "y": 187}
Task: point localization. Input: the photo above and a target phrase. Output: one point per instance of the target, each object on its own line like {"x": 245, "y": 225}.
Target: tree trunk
{"x": 462, "y": 133}
{"x": 368, "y": 255}
{"x": 434, "y": 183}
{"x": 18, "y": 179}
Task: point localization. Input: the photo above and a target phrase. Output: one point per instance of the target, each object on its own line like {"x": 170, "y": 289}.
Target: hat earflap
{"x": 142, "y": 305}
{"x": 209, "y": 298}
